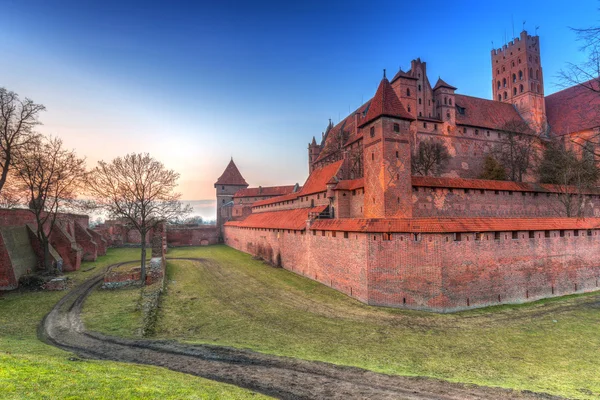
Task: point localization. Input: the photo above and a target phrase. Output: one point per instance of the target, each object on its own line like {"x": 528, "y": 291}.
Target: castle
{"x": 363, "y": 224}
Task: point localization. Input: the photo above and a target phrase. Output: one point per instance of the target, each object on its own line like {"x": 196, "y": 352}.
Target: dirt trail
{"x": 281, "y": 377}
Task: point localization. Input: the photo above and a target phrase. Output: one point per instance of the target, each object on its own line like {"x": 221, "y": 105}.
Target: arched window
{"x": 521, "y": 88}
{"x": 499, "y": 97}
{"x": 498, "y": 72}
{"x": 503, "y": 69}
{"x": 419, "y": 100}
{"x": 519, "y": 60}
{"x": 409, "y": 108}
{"x": 445, "y": 100}
{"x": 450, "y": 101}
{"x": 530, "y": 73}
{"x": 513, "y": 64}
{"x": 419, "y": 87}
{"x": 537, "y": 74}
{"x": 514, "y": 78}
{"x": 505, "y": 95}
{"x": 520, "y": 75}
{"x": 408, "y": 92}
{"x": 504, "y": 82}
{"x": 514, "y": 91}
{"x": 498, "y": 84}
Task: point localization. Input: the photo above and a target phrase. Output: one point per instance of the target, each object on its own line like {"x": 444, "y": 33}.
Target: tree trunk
{"x": 46, "y": 250}
{"x": 143, "y": 267}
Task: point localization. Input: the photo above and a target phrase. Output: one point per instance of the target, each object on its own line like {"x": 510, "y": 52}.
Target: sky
{"x": 195, "y": 83}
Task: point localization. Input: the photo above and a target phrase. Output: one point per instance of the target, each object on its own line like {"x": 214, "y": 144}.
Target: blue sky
{"x": 195, "y": 83}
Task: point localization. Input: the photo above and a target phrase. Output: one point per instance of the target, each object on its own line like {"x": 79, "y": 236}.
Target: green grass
{"x": 33, "y": 370}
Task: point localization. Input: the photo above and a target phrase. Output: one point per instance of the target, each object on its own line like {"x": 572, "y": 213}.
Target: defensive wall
{"x": 21, "y": 252}
{"x": 410, "y": 267}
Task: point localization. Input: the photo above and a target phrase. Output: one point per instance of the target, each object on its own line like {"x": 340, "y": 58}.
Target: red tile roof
{"x": 451, "y": 225}
{"x": 316, "y": 182}
{"x": 350, "y": 184}
{"x": 385, "y": 103}
{"x": 440, "y": 83}
{"x": 460, "y": 183}
{"x": 286, "y": 219}
{"x": 231, "y": 176}
{"x": 264, "y": 191}
{"x": 485, "y": 113}
{"x": 574, "y": 109}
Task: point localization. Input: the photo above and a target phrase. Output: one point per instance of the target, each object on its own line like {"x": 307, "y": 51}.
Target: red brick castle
{"x": 363, "y": 224}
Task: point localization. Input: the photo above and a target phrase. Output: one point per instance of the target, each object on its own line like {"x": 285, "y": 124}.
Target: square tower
{"x": 518, "y": 79}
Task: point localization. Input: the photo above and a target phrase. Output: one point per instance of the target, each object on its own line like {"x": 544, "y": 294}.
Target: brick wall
{"x": 87, "y": 243}
{"x": 334, "y": 261}
{"x": 433, "y": 271}
{"x": 192, "y": 235}
{"x": 442, "y": 202}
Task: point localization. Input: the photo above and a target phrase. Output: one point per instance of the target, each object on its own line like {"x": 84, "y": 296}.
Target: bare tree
{"x": 516, "y": 150}
{"x": 571, "y": 176}
{"x": 431, "y": 158}
{"x": 138, "y": 189}
{"x": 17, "y": 121}
{"x": 49, "y": 178}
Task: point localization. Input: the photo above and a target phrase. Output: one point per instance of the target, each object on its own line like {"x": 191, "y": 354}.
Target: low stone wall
{"x": 155, "y": 270}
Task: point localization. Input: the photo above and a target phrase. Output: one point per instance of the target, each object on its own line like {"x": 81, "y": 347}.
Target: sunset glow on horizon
{"x": 197, "y": 84}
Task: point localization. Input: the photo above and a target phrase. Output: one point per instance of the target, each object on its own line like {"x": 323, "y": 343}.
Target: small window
{"x": 314, "y": 233}
{"x": 496, "y": 235}
{"x": 435, "y": 127}
{"x": 515, "y": 235}
{"x": 397, "y": 155}
{"x": 408, "y": 93}
{"x": 419, "y": 87}
{"x": 562, "y": 233}
{"x": 531, "y": 234}
{"x": 589, "y": 232}
{"x": 420, "y": 102}
{"x": 387, "y": 236}
{"x": 333, "y": 233}
{"x": 372, "y": 156}
{"x": 546, "y": 234}
{"x": 477, "y": 235}
{"x": 476, "y": 132}
{"x": 345, "y": 235}
{"x": 322, "y": 233}
{"x": 457, "y": 237}
{"x": 372, "y": 131}
{"x": 396, "y": 127}
{"x": 424, "y": 124}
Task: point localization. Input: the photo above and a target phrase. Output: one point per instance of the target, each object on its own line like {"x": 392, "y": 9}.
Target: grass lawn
{"x": 550, "y": 346}
{"x": 33, "y": 370}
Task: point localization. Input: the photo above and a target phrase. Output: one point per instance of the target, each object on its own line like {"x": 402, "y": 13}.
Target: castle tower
{"x": 387, "y": 156}
{"x": 226, "y": 186}
{"x": 518, "y": 78}
{"x": 444, "y": 102}
{"x": 313, "y": 153}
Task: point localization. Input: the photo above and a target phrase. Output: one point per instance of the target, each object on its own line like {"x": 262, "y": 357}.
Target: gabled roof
{"x": 440, "y": 83}
{"x": 485, "y": 113}
{"x": 453, "y": 225}
{"x": 402, "y": 74}
{"x": 574, "y": 109}
{"x": 264, "y": 191}
{"x": 385, "y": 103}
{"x": 231, "y": 176}
{"x": 286, "y": 219}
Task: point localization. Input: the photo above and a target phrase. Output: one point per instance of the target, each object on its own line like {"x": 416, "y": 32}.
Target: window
{"x": 424, "y": 124}
{"x": 445, "y": 100}
{"x": 222, "y": 187}
{"x": 450, "y": 101}
{"x": 496, "y": 235}
{"x": 457, "y": 237}
{"x": 387, "y": 236}
{"x": 576, "y": 232}
{"x": 464, "y": 130}
{"x": 322, "y": 233}
{"x": 521, "y": 88}
{"x": 420, "y": 101}
{"x": 562, "y": 233}
{"x": 499, "y": 97}
{"x": 435, "y": 127}
{"x": 514, "y": 78}
{"x": 372, "y": 131}
{"x": 477, "y": 235}
{"x": 505, "y": 95}
{"x": 504, "y": 82}
{"x": 408, "y": 107}
{"x": 397, "y": 155}
{"x": 372, "y": 156}
{"x": 476, "y": 131}
{"x": 345, "y": 235}
{"x": 419, "y": 87}
{"x": 396, "y": 127}
{"x": 520, "y": 75}
{"x": 546, "y": 234}
{"x": 589, "y": 232}
{"x": 498, "y": 84}
{"x": 514, "y": 91}
{"x": 408, "y": 92}
{"x": 515, "y": 235}
{"x": 531, "y": 235}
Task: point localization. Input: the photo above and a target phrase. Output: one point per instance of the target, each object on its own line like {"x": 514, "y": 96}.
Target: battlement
{"x": 520, "y": 44}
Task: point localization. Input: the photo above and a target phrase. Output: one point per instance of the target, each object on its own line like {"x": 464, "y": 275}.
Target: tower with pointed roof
{"x": 313, "y": 153}
{"x": 518, "y": 78}
{"x": 230, "y": 181}
{"x": 387, "y": 156}
{"x": 444, "y": 102}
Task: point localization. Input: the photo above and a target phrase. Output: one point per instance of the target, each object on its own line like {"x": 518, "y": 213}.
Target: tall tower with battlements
{"x": 517, "y": 78}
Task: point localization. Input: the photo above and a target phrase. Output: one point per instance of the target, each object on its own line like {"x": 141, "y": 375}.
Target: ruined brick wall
{"x": 200, "y": 235}
{"x": 442, "y": 202}
{"x": 87, "y": 243}
{"x": 8, "y": 280}
{"x": 70, "y": 252}
{"x": 332, "y": 260}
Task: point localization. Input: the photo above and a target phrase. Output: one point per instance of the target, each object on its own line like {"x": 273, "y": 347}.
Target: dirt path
{"x": 281, "y": 377}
